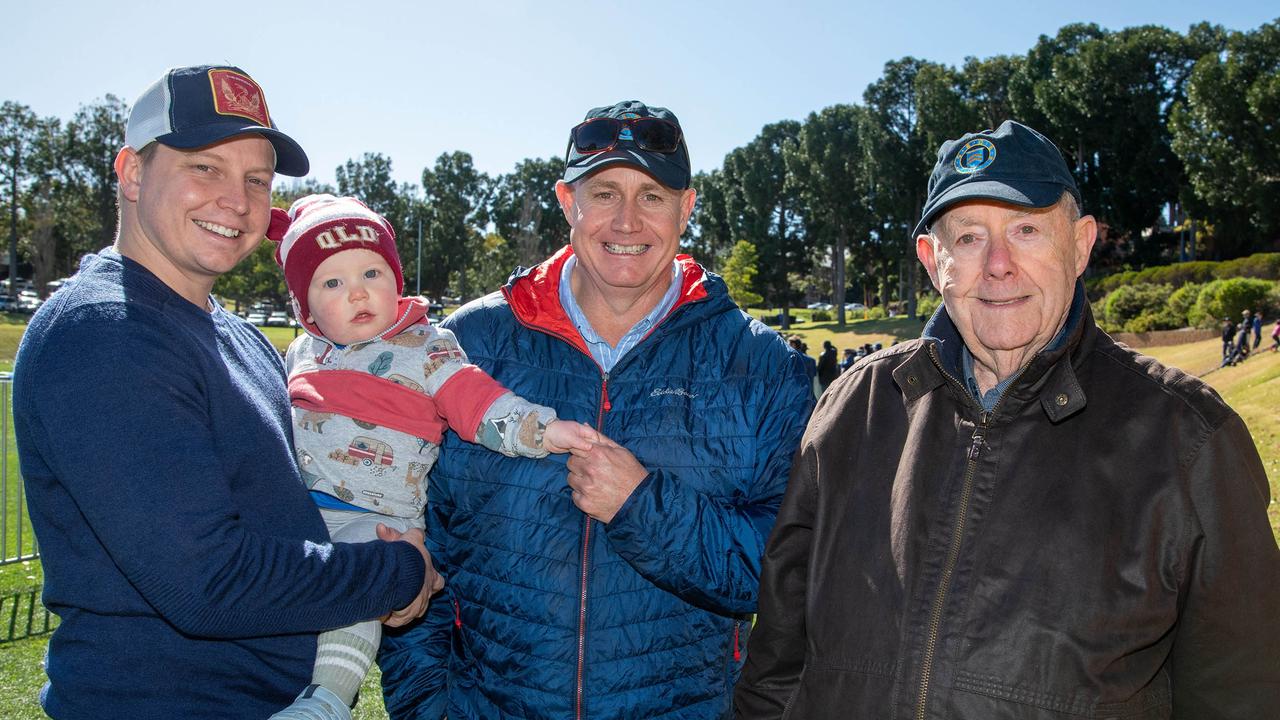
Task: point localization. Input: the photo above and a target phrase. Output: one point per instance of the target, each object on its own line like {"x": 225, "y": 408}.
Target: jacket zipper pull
{"x": 604, "y": 392}
{"x": 457, "y": 614}
{"x": 979, "y": 434}
{"x": 976, "y": 446}
{"x": 737, "y": 654}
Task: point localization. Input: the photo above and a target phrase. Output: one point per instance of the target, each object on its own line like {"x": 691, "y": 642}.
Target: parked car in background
{"x": 850, "y": 307}
{"x": 256, "y": 318}
{"x": 29, "y": 301}
{"x": 279, "y": 318}
{"x": 819, "y": 306}
{"x": 776, "y": 319}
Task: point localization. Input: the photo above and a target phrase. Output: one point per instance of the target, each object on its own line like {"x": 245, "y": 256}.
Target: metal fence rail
{"x": 17, "y": 540}
{"x": 22, "y": 615}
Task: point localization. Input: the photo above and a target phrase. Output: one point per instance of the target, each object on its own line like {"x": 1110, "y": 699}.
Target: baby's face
{"x": 352, "y": 296}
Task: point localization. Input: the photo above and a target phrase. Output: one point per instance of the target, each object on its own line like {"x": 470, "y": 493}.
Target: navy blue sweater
{"x": 187, "y": 563}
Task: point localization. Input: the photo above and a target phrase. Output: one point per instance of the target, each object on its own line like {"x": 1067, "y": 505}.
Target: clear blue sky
{"x": 506, "y": 80}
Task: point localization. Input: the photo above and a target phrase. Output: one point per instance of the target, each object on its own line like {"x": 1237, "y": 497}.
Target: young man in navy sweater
{"x": 181, "y": 551}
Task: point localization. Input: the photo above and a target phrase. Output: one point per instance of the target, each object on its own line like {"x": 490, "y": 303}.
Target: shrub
{"x": 928, "y": 304}
{"x": 1112, "y": 282}
{"x": 1265, "y": 266}
{"x": 1228, "y": 298}
{"x": 1179, "y": 274}
{"x": 1181, "y": 302}
{"x": 1100, "y": 316}
{"x": 876, "y": 313}
{"x": 1148, "y": 322}
{"x": 821, "y": 316}
{"x": 1126, "y": 304}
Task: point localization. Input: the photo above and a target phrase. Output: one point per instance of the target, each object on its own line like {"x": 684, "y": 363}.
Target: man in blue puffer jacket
{"x": 622, "y": 584}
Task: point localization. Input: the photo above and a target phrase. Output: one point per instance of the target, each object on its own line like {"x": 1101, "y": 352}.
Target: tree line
{"x": 1172, "y": 138}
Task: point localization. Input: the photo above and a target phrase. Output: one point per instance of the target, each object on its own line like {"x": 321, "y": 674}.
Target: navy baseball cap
{"x": 670, "y": 168}
{"x": 191, "y": 107}
{"x": 1012, "y": 164}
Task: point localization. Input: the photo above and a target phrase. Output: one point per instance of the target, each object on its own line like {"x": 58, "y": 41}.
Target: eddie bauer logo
{"x": 659, "y": 392}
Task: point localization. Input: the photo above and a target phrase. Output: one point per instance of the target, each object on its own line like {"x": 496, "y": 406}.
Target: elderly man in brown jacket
{"x": 1013, "y": 516}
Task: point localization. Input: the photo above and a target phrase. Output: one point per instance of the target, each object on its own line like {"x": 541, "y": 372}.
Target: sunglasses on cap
{"x": 599, "y": 135}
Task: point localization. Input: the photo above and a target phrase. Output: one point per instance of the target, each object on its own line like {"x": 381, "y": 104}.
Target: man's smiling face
{"x": 202, "y": 211}
{"x": 626, "y": 228}
{"x": 1007, "y": 273}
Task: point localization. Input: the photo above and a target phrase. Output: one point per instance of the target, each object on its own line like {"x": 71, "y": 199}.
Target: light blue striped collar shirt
{"x": 600, "y": 349}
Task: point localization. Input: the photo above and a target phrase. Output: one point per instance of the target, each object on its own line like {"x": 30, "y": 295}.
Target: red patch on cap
{"x": 238, "y": 95}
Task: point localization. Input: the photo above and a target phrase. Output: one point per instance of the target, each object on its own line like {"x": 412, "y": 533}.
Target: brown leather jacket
{"x": 1097, "y": 546}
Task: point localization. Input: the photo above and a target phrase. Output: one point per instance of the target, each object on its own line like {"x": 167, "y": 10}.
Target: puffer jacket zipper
{"x": 584, "y": 575}
{"x": 605, "y": 406}
{"x": 579, "y": 691}
{"x": 582, "y": 619}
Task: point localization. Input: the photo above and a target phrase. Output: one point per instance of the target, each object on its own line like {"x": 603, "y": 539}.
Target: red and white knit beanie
{"x": 318, "y": 226}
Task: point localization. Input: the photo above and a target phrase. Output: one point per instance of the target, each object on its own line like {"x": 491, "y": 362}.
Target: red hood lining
{"x": 535, "y": 296}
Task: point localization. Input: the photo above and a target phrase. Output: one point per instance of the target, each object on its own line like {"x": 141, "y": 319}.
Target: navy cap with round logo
{"x": 670, "y": 169}
{"x": 191, "y": 107}
{"x": 1011, "y": 164}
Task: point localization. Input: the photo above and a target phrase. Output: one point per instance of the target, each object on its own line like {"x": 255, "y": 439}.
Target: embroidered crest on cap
{"x": 975, "y": 155}
{"x": 238, "y": 95}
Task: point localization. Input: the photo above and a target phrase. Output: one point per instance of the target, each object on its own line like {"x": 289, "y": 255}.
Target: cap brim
{"x": 664, "y": 171}
{"x": 290, "y": 158}
{"x": 1029, "y": 193}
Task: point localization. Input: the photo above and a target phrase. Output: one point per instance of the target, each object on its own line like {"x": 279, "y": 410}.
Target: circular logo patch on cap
{"x": 975, "y": 155}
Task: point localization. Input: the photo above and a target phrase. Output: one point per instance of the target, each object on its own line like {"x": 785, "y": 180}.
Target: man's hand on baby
{"x": 431, "y": 581}
{"x": 561, "y": 436}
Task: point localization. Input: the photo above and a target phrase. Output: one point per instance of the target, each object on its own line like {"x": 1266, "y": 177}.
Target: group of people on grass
{"x": 604, "y": 491}
{"x": 1235, "y": 338}
{"x": 826, "y": 368}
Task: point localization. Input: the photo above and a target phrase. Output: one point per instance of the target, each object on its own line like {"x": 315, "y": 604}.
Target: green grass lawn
{"x": 857, "y": 332}
{"x": 1252, "y": 388}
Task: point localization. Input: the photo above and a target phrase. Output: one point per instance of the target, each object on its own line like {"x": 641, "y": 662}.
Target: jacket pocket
{"x": 735, "y": 654}
{"x": 978, "y": 696}
{"x": 1155, "y": 702}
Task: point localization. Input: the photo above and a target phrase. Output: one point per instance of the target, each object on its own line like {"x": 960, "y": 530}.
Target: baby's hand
{"x": 561, "y": 436}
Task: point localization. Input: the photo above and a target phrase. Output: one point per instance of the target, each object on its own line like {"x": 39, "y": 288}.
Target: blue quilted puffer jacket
{"x": 550, "y": 614}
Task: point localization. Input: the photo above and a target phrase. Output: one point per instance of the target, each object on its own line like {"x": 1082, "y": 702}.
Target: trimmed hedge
{"x": 1264, "y": 266}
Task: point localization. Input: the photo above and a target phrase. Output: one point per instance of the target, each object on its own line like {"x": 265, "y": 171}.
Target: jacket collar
{"x": 1049, "y": 376}
{"x": 534, "y": 295}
